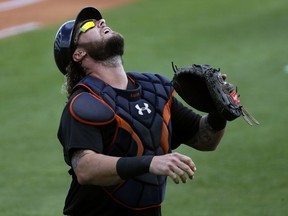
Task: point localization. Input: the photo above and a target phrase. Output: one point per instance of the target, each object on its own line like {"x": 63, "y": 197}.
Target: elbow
{"x": 82, "y": 180}
{"x": 83, "y": 172}
{"x": 82, "y": 177}
{"x": 87, "y": 174}
{"x": 215, "y": 140}
{"x": 204, "y": 144}
{"x": 213, "y": 144}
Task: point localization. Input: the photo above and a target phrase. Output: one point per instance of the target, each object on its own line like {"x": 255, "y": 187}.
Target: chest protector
{"x": 143, "y": 127}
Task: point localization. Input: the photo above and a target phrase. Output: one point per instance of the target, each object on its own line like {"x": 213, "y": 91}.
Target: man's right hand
{"x": 174, "y": 165}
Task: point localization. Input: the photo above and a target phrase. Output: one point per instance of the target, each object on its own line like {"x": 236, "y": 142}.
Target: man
{"x": 118, "y": 129}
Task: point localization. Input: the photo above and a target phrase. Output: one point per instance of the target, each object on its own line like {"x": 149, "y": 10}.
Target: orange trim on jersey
{"x": 132, "y": 80}
{"x": 85, "y": 121}
{"x": 96, "y": 95}
{"x": 164, "y": 142}
{"x": 92, "y": 92}
{"x": 164, "y": 139}
{"x": 123, "y": 124}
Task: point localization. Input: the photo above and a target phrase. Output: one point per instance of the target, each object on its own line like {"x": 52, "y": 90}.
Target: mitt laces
{"x": 248, "y": 117}
{"x": 245, "y": 114}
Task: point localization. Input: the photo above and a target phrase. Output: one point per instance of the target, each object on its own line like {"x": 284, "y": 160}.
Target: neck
{"x": 110, "y": 71}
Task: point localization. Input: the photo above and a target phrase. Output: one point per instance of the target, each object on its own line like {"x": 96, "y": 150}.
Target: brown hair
{"x": 74, "y": 74}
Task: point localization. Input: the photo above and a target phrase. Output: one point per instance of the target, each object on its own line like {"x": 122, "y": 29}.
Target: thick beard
{"x": 104, "y": 50}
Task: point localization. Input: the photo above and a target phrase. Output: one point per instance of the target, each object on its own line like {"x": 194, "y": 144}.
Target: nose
{"x": 101, "y": 23}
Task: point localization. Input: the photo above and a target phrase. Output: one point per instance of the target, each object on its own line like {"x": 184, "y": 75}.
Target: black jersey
{"x": 75, "y": 135}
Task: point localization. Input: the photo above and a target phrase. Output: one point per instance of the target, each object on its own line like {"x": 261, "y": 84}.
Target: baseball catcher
{"x": 205, "y": 89}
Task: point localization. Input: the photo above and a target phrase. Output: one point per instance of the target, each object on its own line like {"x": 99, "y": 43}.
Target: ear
{"x": 79, "y": 54}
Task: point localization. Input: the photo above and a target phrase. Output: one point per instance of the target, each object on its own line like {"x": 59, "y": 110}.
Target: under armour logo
{"x": 141, "y": 109}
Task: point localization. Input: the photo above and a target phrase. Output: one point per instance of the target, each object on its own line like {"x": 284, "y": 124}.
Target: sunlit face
{"x": 99, "y": 40}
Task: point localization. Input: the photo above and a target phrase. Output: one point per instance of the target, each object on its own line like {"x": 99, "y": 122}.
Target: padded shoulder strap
{"x": 88, "y": 109}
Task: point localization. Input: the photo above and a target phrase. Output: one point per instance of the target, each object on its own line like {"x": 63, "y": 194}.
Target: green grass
{"x": 246, "y": 175}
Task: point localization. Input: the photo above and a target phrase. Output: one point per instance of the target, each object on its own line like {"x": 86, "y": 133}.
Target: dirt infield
{"x": 18, "y": 16}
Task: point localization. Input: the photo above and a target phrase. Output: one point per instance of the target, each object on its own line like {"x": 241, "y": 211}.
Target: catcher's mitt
{"x": 205, "y": 89}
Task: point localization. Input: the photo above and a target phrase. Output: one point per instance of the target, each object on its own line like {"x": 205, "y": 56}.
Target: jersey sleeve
{"x": 74, "y": 135}
{"x": 82, "y": 123}
{"x": 185, "y": 123}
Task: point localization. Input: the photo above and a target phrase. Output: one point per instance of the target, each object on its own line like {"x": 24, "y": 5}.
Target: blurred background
{"x": 246, "y": 175}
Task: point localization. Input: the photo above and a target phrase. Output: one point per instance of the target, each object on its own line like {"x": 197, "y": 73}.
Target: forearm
{"x": 92, "y": 168}
{"x": 102, "y": 170}
{"x": 209, "y": 134}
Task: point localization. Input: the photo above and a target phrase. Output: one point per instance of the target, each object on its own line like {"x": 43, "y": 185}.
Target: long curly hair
{"x": 74, "y": 74}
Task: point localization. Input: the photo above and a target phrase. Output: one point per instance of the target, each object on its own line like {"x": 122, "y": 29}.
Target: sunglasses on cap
{"x": 84, "y": 27}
